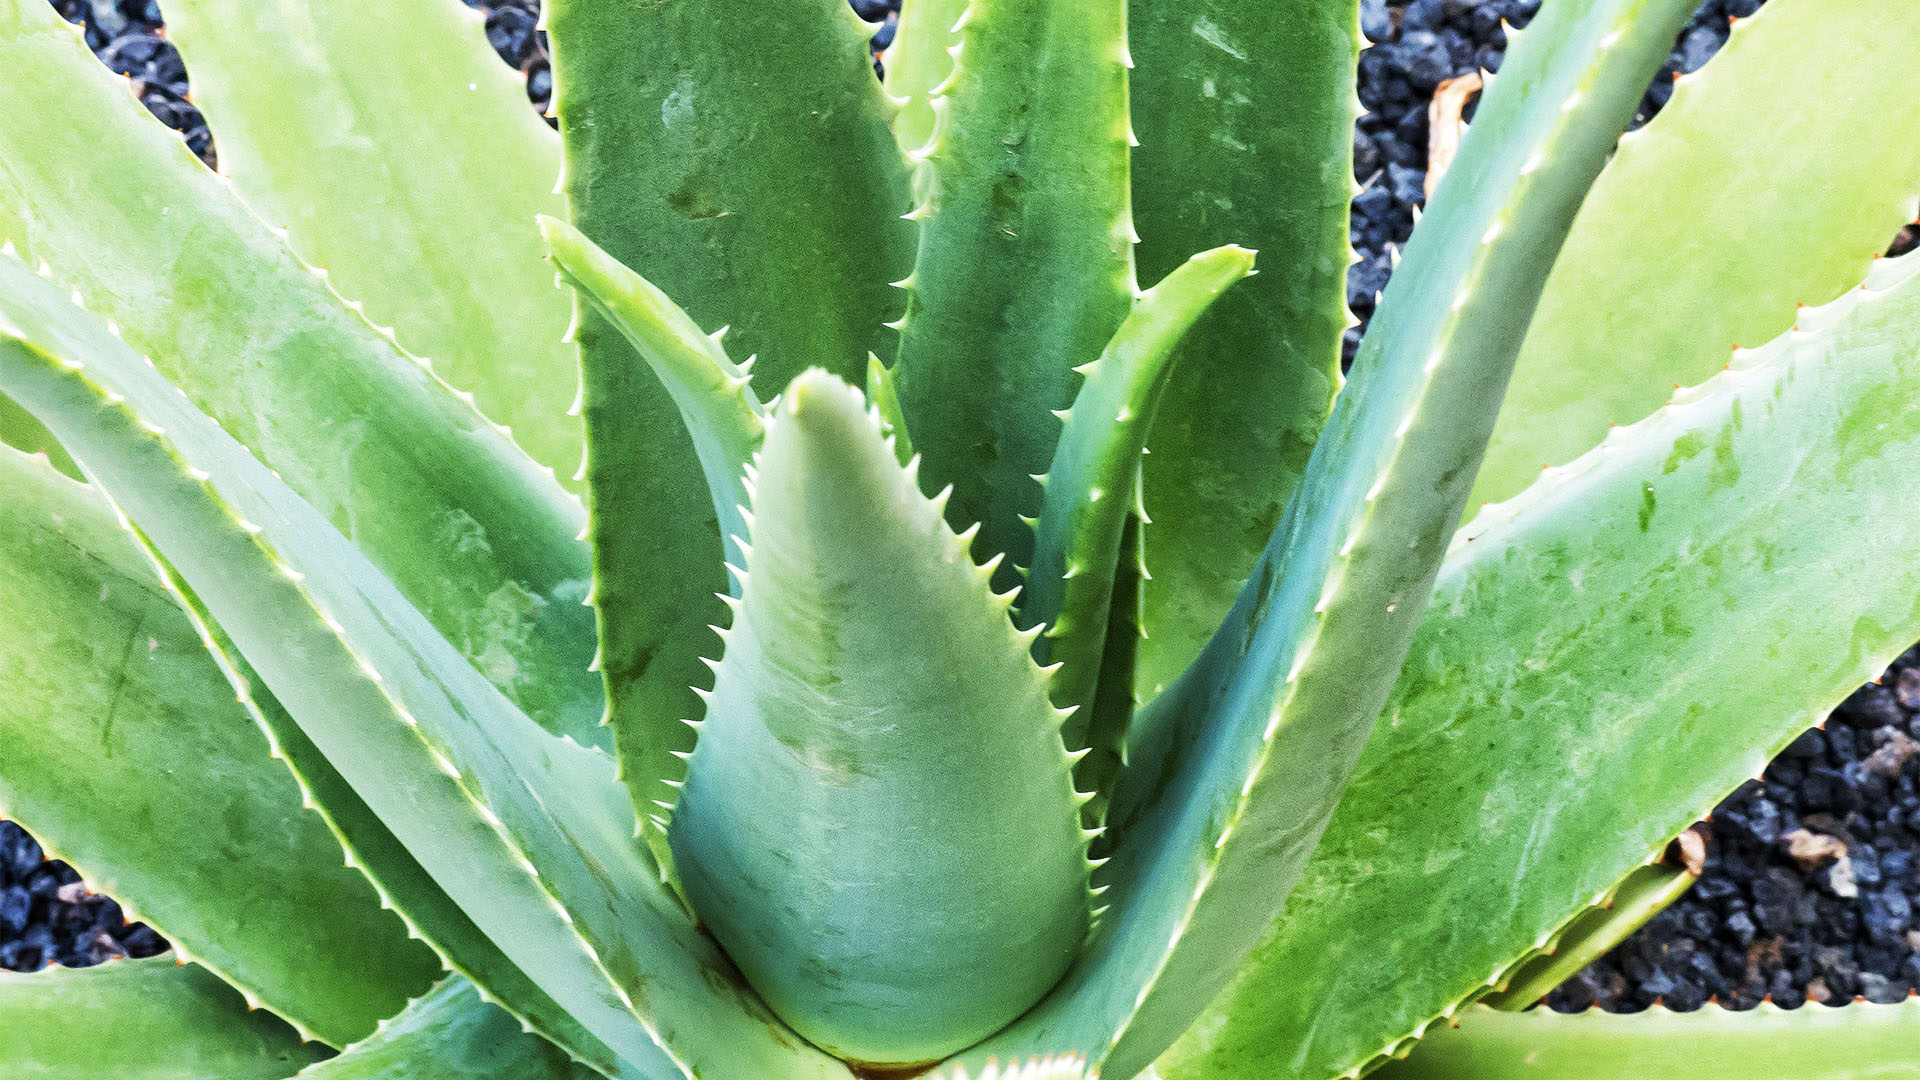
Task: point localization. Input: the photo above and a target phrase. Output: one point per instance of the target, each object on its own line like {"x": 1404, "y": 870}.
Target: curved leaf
{"x": 140, "y": 1020}
{"x": 401, "y": 155}
{"x": 714, "y": 395}
{"x": 528, "y": 832}
{"x": 1854, "y": 1042}
{"x": 724, "y": 417}
{"x": 1564, "y": 710}
{"x": 1078, "y": 543}
{"x": 1685, "y": 249}
{"x": 1243, "y": 759}
{"x": 450, "y": 1034}
{"x": 403, "y": 884}
{"x": 477, "y": 536}
{"x": 1641, "y": 895}
{"x": 128, "y": 755}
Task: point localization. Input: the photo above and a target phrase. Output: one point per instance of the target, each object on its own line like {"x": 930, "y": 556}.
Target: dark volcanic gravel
{"x": 48, "y": 917}
{"x": 1812, "y": 876}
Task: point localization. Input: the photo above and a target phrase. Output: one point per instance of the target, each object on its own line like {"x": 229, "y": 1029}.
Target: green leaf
{"x": 1641, "y": 895}
{"x": 116, "y": 722}
{"x": 758, "y": 195}
{"x": 475, "y": 534}
{"x": 140, "y": 1020}
{"x": 917, "y": 63}
{"x": 1111, "y": 712}
{"x": 714, "y": 395}
{"x": 1686, "y": 249}
{"x": 401, "y": 155}
{"x": 1565, "y": 709}
{"x": 1855, "y": 1042}
{"x": 451, "y": 1034}
{"x": 530, "y": 834}
{"x": 21, "y": 431}
{"x": 1079, "y": 537}
{"x": 719, "y": 409}
{"x": 879, "y": 821}
{"x": 1245, "y": 112}
{"x": 885, "y": 396}
{"x": 1026, "y": 253}
{"x": 1243, "y": 760}
{"x": 403, "y": 884}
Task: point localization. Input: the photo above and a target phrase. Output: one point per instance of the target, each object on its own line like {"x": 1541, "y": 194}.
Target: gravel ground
{"x": 1812, "y": 875}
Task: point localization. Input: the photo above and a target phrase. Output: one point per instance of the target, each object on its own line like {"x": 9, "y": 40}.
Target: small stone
{"x": 1840, "y": 878}
{"x": 16, "y": 906}
{"x": 1906, "y": 688}
{"x": 1424, "y": 58}
{"x": 1409, "y": 186}
{"x": 1374, "y": 21}
{"x": 1879, "y": 989}
{"x": 1699, "y": 46}
{"x": 1891, "y": 756}
{"x": 1813, "y": 850}
{"x": 1887, "y": 915}
{"x": 1740, "y": 926}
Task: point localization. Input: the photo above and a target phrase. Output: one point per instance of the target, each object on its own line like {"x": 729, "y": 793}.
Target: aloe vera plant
{"x": 872, "y": 410}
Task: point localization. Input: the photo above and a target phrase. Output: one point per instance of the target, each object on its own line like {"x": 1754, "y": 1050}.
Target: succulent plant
{"x": 966, "y": 792}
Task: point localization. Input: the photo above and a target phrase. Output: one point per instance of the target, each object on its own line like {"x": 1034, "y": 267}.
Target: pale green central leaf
{"x": 879, "y": 821}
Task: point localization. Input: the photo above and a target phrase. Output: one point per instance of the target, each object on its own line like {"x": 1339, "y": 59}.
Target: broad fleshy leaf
{"x": 478, "y": 537}
{"x": 403, "y": 884}
{"x": 1026, "y": 253}
{"x": 449, "y": 1033}
{"x": 879, "y": 821}
{"x": 1091, "y": 495}
{"x": 530, "y": 834}
{"x": 148, "y": 1019}
{"x": 115, "y": 719}
{"x": 1685, "y": 249}
{"x": 1248, "y": 752}
{"x": 1854, "y": 1042}
{"x": 401, "y": 155}
{"x": 1565, "y": 712}
{"x": 1245, "y": 112}
{"x": 761, "y": 196}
